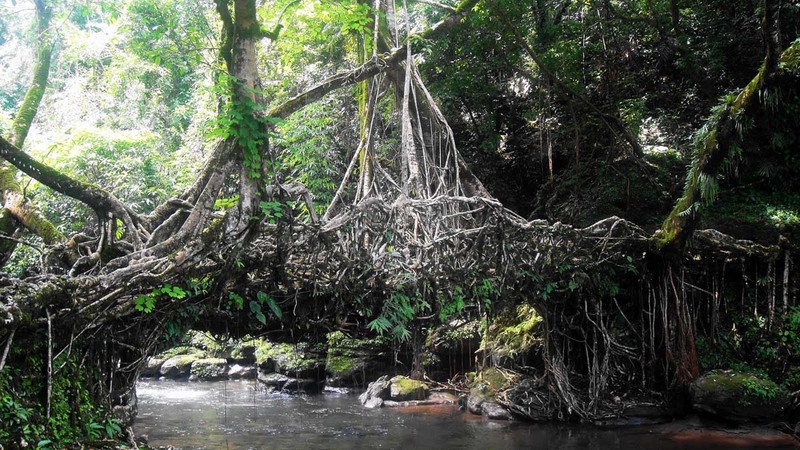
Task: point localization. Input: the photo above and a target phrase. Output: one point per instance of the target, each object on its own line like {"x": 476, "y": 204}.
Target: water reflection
{"x": 234, "y": 415}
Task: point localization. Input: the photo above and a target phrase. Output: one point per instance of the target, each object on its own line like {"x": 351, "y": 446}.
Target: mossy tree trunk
{"x": 21, "y": 211}
{"x": 718, "y": 136}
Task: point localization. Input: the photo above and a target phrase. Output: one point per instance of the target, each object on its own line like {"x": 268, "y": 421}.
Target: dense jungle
{"x": 576, "y": 211}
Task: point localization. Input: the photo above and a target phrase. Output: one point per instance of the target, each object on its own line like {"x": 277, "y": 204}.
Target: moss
{"x": 341, "y": 365}
{"x": 347, "y": 355}
{"x": 493, "y": 379}
{"x": 404, "y": 388}
{"x": 8, "y": 225}
{"x": 181, "y": 350}
{"x": 713, "y": 143}
{"x": 513, "y": 334}
{"x": 751, "y": 387}
{"x": 287, "y": 357}
{"x": 790, "y": 58}
{"x": 210, "y": 368}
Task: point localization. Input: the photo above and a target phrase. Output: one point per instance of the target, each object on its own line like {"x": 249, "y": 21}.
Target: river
{"x": 235, "y": 415}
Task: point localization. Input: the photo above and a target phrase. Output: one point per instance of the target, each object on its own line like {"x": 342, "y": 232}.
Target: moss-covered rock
{"x": 213, "y": 347}
{"x": 178, "y": 366}
{"x": 350, "y": 361}
{"x": 209, "y": 369}
{"x": 493, "y": 378}
{"x": 182, "y": 350}
{"x": 738, "y": 396}
{"x": 272, "y": 381}
{"x": 478, "y": 395}
{"x": 245, "y": 352}
{"x": 296, "y": 361}
{"x": 403, "y": 388}
{"x": 487, "y": 384}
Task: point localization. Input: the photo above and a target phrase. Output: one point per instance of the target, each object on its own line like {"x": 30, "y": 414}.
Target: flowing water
{"x": 235, "y": 415}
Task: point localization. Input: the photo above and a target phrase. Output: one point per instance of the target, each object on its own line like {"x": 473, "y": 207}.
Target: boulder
{"x": 403, "y": 388}
{"x": 487, "y": 384}
{"x": 244, "y": 352}
{"x": 273, "y": 381}
{"x": 295, "y": 361}
{"x": 350, "y": 361}
{"x": 153, "y": 367}
{"x": 302, "y": 386}
{"x": 178, "y": 366}
{"x": 738, "y": 396}
{"x": 495, "y": 411}
{"x": 238, "y": 372}
{"x": 478, "y": 395}
{"x": 209, "y": 369}
{"x": 376, "y": 393}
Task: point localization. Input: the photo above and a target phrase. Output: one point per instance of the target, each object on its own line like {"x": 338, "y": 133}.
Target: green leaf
{"x": 236, "y": 300}
{"x": 273, "y": 306}
{"x": 261, "y": 318}
{"x": 380, "y": 325}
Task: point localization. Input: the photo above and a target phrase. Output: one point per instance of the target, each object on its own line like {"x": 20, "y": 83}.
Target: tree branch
{"x": 102, "y": 202}
{"x": 369, "y": 69}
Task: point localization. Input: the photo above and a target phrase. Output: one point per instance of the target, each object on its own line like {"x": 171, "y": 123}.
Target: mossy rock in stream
{"x": 351, "y": 361}
{"x": 738, "y": 396}
{"x": 178, "y": 366}
{"x": 209, "y": 369}
{"x": 296, "y": 361}
{"x": 487, "y": 384}
{"x": 403, "y": 389}
{"x": 245, "y": 352}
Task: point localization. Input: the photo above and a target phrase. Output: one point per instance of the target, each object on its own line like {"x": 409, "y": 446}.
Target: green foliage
{"x": 512, "y": 334}
{"x": 751, "y": 344}
{"x": 310, "y": 145}
{"x": 399, "y": 310}
{"x": 73, "y": 410}
{"x": 264, "y": 299}
{"x": 272, "y": 210}
{"x": 146, "y": 302}
{"x": 243, "y": 120}
{"x": 226, "y": 203}
{"x": 235, "y": 301}
{"x": 128, "y": 163}
{"x": 633, "y": 113}
{"x": 355, "y": 17}
{"x": 110, "y": 428}
{"x": 765, "y": 389}
{"x": 453, "y": 305}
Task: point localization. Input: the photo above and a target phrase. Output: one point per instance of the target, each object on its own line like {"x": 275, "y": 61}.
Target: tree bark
{"x": 720, "y": 133}
{"x": 23, "y": 212}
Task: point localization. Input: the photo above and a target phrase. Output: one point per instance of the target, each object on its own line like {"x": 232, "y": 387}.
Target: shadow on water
{"x": 234, "y": 415}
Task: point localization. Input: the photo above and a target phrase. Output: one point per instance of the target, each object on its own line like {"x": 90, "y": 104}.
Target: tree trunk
{"x": 719, "y": 134}
{"x": 21, "y": 211}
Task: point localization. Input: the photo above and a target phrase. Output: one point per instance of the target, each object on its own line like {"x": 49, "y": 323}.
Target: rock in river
{"x": 177, "y": 366}
{"x": 738, "y": 396}
{"x": 209, "y": 369}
